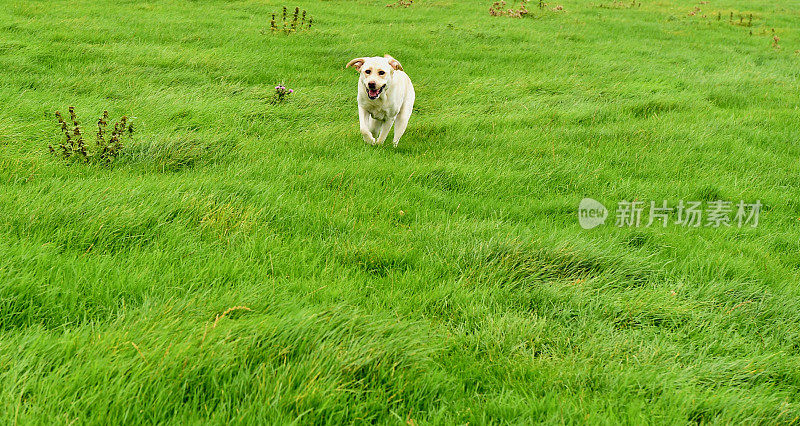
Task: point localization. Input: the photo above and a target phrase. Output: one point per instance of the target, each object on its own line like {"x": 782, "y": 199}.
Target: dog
{"x": 385, "y": 98}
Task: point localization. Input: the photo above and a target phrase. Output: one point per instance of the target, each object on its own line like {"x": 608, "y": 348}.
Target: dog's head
{"x": 375, "y": 73}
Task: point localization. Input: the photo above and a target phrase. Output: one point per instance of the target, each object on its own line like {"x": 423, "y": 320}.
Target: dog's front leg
{"x": 385, "y": 127}
{"x": 364, "y": 121}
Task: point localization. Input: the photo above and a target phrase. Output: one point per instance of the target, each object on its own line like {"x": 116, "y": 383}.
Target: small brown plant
{"x": 401, "y": 3}
{"x": 106, "y": 147}
{"x": 620, "y": 4}
{"x": 744, "y": 20}
{"x": 498, "y": 8}
{"x": 294, "y": 19}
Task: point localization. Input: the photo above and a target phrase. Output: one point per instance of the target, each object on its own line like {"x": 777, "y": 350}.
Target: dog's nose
{"x": 371, "y": 85}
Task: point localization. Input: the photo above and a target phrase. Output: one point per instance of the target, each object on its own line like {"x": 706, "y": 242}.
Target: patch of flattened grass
{"x": 515, "y": 265}
{"x": 728, "y": 98}
{"x": 378, "y": 262}
{"x": 638, "y": 315}
{"x": 544, "y": 265}
{"x": 178, "y": 152}
{"x": 704, "y": 413}
{"x": 83, "y": 227}
{"x": 362, "y": 351}
{"x": 443, "y": 179}
{"x": 217, "y": 218}
{"x": 709, "y": 193}
{"x": 88, "y": 294}
{"x": 279, "y": 364}
{"x": 25, "y": 305}
{"x": 654, "y": 107}
{"x": 638, "y": 239}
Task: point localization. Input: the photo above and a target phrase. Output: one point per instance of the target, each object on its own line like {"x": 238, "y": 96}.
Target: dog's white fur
{"x": 393, "y": 103}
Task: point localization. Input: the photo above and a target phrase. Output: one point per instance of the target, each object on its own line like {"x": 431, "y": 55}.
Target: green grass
{"x": 445, "y": 281}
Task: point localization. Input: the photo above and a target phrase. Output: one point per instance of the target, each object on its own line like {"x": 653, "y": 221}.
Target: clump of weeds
{"x": 498, "y": 8}
{"x": 106, "y": 147}
{"x": 401, "y": 3}
{"x": 620, "y": 4}
{"x": 298, "y": 21}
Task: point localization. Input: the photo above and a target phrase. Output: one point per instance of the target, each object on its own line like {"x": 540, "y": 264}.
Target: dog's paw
{"x": 368, "y": 138}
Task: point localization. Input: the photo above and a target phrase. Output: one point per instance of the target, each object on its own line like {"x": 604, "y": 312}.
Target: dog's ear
{"x": 394, "y": 63}
{"x": 357, "y": 63}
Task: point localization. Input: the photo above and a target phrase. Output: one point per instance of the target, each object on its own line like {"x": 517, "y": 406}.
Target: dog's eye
{"x": 367, "y": 72}
{"x": 381, "y": 72}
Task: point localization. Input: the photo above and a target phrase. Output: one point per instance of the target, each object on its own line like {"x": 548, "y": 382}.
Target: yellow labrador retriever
{"x": 385, "y": 97}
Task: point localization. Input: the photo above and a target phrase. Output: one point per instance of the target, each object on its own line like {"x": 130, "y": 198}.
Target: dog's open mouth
{"x": 373, "y": 94}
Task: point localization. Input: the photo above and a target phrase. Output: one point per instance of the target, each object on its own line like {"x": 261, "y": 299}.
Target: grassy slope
{"x": 447, "y": 280}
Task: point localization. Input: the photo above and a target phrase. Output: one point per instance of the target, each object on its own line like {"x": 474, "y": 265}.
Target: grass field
{"x": 245, "y": 261}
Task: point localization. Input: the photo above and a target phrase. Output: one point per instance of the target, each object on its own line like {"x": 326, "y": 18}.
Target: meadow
{"x": 247, "y": 261}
